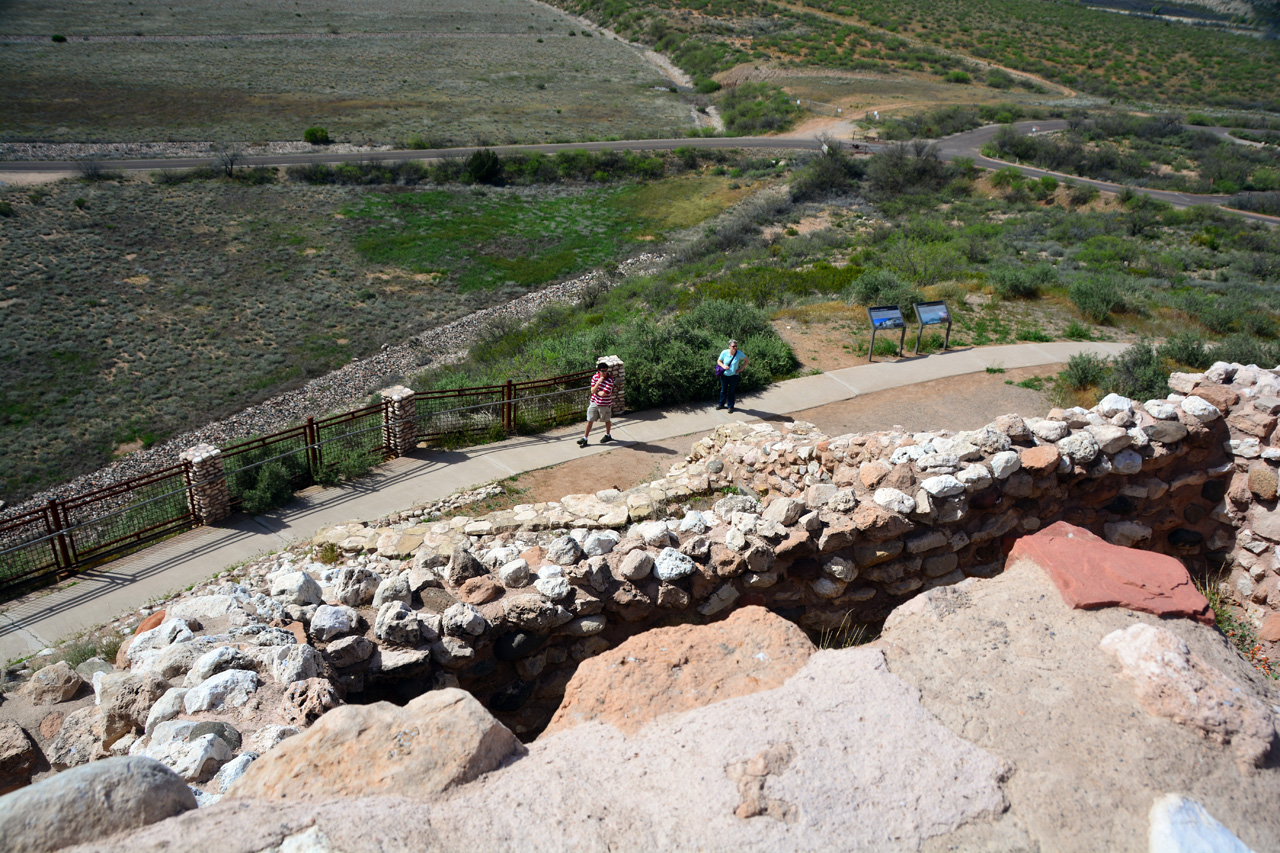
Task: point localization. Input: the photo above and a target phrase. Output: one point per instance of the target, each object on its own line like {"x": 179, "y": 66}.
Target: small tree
{"x": 484, "y": 167}
{"x": 228, "y": 160}
{"x": 316, "y": 136}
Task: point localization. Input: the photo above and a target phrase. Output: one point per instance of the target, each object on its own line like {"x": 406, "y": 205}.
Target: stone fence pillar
{"x": 399, "y": 420}
{"x": 619, "y": 369}
{"x": 207, "y": 489}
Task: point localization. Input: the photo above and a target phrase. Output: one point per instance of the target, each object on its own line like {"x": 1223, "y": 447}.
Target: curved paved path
{"x": 98, "y": 596}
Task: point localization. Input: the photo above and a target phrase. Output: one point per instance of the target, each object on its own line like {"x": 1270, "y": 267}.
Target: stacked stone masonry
{"x": 399, "y": 420}
{"x": 210, "y": 496}
{"x": 828, "y": 532}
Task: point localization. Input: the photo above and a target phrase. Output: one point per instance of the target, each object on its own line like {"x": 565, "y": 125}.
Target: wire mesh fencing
{"x": 92, "y": 528}
{"x": 263, "y": 472}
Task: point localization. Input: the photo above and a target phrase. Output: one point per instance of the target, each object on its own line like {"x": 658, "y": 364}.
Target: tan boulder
{"x": 670, "y": 670}
{"x": 17, "y": 756}
{"x": 55, "y": 683}
{"x": 438, "y": 741}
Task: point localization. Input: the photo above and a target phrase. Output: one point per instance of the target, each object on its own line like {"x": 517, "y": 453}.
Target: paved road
{"x": 98, "y": 596}
{"x": 966, "y": 144}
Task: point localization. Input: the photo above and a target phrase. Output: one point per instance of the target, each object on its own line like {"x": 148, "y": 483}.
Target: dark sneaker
{"x": 582, "y": 442}
{"x": 721, "y": 406}
{"x": 606, "y": 439}
{"x": 731, "y": 410}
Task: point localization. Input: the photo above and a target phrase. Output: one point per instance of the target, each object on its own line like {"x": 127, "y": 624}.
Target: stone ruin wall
{"x": 845, "y": 529}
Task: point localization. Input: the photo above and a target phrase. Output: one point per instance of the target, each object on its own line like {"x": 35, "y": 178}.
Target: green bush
{"x": 882, "y": 287}
{"x": 316, "y": 136}
{"x": 1185, "y": 349}
{"x": 752, "y": 108}
{"x": 57, "y": 38}
{"x": 831, "y": 173}
{"x": 271, "y": 489}
{"x": 1139, "y": 373}
{"x": 1084, "y": 370}
{"x": 484, "y": 167}
{"x": 1097, "y": 296}
{"x": 1243, "y": 349}
{"x": 958, "y": 77}
{"x": 1011, "y": 282}
{"x": 1077, "y": 332}
{"x": 6, "y": 209}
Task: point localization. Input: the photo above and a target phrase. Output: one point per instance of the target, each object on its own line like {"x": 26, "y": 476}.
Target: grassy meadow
{"x": 493, "y": 71}
{"x": 134, "y": 310}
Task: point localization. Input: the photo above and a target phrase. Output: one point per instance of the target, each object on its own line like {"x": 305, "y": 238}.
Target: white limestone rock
{"x": 1201, "y": 409}
{"x": 895, "y": 500}
{"x": 943, "y": 486}
{"x": 228, "y": 689}
{"x": 671, "y": 565}
{"x": 332, "y": 621}
{"x": 1004, "y": 463}
{"x": 296, "y": 588}
{"x": 597, "y": 543}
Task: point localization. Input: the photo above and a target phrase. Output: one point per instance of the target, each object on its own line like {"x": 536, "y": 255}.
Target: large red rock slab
{"x": 1092, "y": 574}
{"x": 669, "y": 670}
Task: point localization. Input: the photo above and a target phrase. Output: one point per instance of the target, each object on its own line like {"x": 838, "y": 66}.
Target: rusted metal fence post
{"x": 207, "y": 491}
{"x": 399, "y": 420}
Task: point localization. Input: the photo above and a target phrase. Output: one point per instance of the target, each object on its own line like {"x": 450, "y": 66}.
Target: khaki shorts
{"x": 599, "y": 413}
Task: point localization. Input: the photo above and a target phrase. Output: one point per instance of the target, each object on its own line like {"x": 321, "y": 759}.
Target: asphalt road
{"x": 966, "y": 144}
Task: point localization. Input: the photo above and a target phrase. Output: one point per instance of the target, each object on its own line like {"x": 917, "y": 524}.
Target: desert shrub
{"x": 882, "y": 287}
{"x": 1077, "y": 332}
{"x": 1244, "y": 349}
{"x": 923, "y": 263}
{"x": 1139, "y": 373}
{"x": 752, "y": 108}
{"x": 57, "y": 38}
{"x": 6, "y": 209}
{"x": 958, "y": 77}
{"x": 1264, "y": 202}
{"x": 271, "y": 489}
{"x": 1097, "y": 297}
{"x": 906, "y": 170}
{"x": 1185, "y": 349}
{"x": 1084, "y": 370}
{"x": 1014, "y": 282}
{"x": 831, "y": 173}
{"x": 484, "y": 167}
{"x": 1081, "y": 194}
{"x": 723, "y": 319}
{"x": 316, "y": 136}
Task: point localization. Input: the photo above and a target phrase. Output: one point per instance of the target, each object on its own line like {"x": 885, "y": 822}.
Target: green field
{"x": 1086, "y": 49}
{"x": 136, "y": 310}
{"x": 382, "y": 72}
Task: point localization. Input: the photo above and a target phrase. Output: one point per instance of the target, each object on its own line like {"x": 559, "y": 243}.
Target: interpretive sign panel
{"x": 932, "y": 314}
{"x": 885, "y": 317}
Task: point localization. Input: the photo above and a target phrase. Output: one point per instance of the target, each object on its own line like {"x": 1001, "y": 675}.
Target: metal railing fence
{"x": 68, "y": 535}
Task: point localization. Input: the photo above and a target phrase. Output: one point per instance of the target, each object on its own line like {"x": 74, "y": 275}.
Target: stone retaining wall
{"x": 830, "y": 532}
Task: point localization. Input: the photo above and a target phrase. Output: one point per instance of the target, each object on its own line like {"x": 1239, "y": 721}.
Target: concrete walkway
{"x": 101, "y": 595}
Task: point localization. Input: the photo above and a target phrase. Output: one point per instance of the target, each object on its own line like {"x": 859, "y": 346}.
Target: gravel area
{"x": 345, "y": 388}
{"x": 63, "y": 151}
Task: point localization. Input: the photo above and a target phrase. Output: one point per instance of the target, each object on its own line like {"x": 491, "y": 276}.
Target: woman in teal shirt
{"x": 730, "y": 364}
